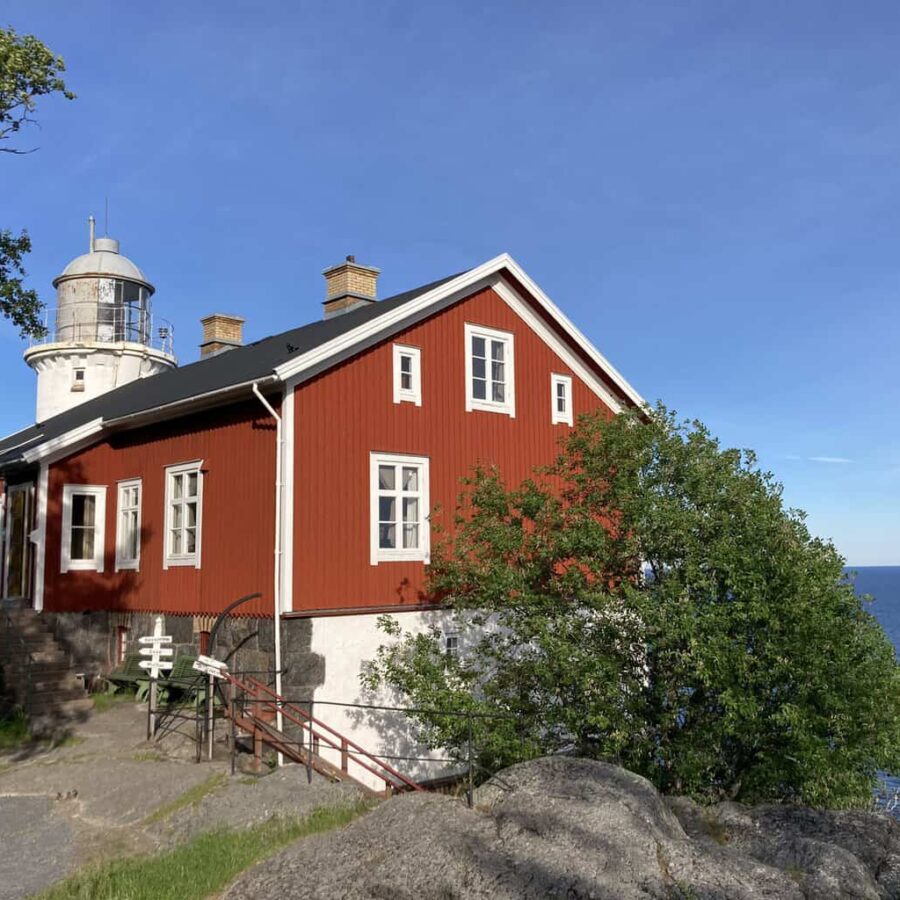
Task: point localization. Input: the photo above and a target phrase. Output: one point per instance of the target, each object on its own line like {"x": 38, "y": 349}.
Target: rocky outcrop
{"x": 559, "y": 827}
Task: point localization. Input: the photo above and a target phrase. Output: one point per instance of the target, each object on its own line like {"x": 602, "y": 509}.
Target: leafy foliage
{"x": 19, "y": 304}
{"x": 648, "y": 599}
{"x": 28, "y": 70}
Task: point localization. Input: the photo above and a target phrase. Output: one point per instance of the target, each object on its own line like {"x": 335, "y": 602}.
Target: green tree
{"x": 648, "y": 599}
{"x": 28, "y": 70}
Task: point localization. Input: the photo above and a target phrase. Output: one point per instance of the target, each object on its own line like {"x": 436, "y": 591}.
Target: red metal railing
{"x": 263, "y": 697}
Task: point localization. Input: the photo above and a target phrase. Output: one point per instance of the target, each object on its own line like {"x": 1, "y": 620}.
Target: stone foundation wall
{"x": 245, "y": 644}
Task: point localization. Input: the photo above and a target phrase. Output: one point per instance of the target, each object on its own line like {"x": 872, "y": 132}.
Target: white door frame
{"x": 27, "y": 488}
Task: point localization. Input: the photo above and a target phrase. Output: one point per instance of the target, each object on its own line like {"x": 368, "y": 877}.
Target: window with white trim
{"x": 407, "y": 375}
{"x": 184, "y": 514}
{"x": 561, "y": 400}
{"x": 490, "y": 370}
{"x": 128, "y": 525}
{"x": 399, "y": 508}
{"x": 83, "y": 528}
{"x": 451, "y": 644}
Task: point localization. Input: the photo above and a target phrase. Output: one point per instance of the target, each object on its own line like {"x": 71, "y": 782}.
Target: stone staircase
{"x": 36, "y": 674}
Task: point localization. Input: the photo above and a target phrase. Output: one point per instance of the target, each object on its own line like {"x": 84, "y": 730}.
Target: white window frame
{"x": 66, "y": 563}
{"x": 422, "y": 553}
{"x": 556, "y": 417}
{"x": 508, "y": 405}
{"x": 413, "y": 394}
{"x": 123, "y": 563}
{"x": 183, "y": 559}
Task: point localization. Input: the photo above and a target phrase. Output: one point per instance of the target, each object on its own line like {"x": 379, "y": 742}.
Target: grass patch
{"x": 148, "y": 756}
{"x": 14, "y": 731}
{"x": 106, "y": 701}
{"x": 203, "y": 866}
{"x": 190, "y": 797}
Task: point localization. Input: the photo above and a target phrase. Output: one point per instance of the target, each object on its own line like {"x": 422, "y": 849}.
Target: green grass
{"x": 202, "y": 867}
{"x": 14, "y": 731}
{"x": 148, "y": 756}
{"x": 190, "y": 797}
{"x": 106, "y": 701}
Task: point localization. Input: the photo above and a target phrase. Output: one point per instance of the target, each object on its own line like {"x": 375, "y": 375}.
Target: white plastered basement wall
{"x": 347, "y": 643}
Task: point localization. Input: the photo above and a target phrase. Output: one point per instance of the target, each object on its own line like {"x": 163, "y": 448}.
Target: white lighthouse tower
{"x": 101, "y": 334}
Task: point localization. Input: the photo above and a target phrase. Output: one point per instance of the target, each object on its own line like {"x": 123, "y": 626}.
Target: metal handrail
{"x": 106, "y": 323}
{"x": 29, "y": 659}
{"x": 316, "y": 727}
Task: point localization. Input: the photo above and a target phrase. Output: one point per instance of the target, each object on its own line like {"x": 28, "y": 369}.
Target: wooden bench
{"x": 183, "y": 677}
{"x": 129, "y": 673}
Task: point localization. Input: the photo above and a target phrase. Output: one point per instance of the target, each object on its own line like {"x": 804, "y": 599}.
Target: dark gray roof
{"x": 213, "y": 373}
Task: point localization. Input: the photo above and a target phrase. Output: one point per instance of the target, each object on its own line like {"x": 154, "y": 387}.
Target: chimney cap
{"x": 350, "y": 262}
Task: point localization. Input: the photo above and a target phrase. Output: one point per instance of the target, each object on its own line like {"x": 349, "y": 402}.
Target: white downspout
{"x": 279, "y": 444}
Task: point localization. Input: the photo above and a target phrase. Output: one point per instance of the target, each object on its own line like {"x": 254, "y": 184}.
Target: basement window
{"x": 128, "y": 525}
{"x": 83, "y": 526}
{"x": 407, "y": 375}
{"x": 184, "y": 507}
{"x": 561, "y": 400}
{"x": 121, "y": 644}
{"x": 399, "y": 508}
{"x": 490, "y": 372}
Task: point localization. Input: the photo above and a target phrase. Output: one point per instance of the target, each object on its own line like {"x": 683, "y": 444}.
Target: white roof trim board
{"x": 461, "y": 285}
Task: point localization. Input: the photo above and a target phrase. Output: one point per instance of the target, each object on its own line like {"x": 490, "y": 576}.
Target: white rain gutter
{"x": 279, "y": 487}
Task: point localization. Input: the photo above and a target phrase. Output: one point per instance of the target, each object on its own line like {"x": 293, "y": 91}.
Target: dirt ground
{"x": 107, "y": 793}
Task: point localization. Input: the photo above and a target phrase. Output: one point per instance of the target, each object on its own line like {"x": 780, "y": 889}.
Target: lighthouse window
{"x": 184, "y": 501}
{"x": 77, "y": 379}
{"x": 84, "y": 517}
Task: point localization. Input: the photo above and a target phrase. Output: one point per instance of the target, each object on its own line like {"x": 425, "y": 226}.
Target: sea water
{"x": 883, "y": 584}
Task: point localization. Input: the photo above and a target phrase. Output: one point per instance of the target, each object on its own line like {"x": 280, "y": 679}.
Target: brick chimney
{"x": 349, "y": 285}
{"x": 221, "y": 332}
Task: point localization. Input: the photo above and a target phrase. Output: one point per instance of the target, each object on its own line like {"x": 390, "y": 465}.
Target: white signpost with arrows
{"x": 158, "y": 647}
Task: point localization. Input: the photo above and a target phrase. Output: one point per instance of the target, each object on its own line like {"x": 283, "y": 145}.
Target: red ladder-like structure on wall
{"x": 252, "y": 707}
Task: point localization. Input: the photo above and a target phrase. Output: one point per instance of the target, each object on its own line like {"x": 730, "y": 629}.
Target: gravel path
{"x": 36, "y": 846}
{"x": 90, "y": 800}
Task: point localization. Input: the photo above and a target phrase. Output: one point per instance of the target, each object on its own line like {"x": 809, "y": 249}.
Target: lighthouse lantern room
{"x": 101, "y": 334}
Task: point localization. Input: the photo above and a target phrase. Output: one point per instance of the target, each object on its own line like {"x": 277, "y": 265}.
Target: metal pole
{"x": 233, "y": 727}
{"x": 470, "y": 798}
{"x": 310, "y": 753}
{"x": 209, "y": 717}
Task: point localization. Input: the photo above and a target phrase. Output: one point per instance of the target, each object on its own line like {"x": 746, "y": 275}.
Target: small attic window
{"x": 78, "y": 379}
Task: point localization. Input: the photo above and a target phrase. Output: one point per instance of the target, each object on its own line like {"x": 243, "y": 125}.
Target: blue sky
{"x": 710, "y": 190}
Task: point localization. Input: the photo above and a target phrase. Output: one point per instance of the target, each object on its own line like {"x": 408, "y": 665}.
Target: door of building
{"x": 18, "y": 556}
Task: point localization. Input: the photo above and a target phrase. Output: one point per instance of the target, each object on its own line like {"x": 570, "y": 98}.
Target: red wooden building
{"x": 305, "y": 466}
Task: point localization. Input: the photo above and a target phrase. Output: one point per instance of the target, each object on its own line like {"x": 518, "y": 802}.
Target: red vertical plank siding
{"x": 237, "y": 446}
{"x": 349, "y": 411}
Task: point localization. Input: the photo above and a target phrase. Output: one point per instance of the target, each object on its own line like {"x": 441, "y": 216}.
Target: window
{"x": 451, "y": 644}
{"x": 490, "y": 381}
{"x": 407, "y": 375}
{"x": 128, "y": 525}
{"x": 78, "y": 379}
{"x": 399, "y": 526}
{"x": 84, "y": 518}
{"x": 184, "y": 505}
{"x": 561, "y": 399}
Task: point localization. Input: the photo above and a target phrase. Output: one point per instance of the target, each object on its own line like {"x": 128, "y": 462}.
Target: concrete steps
{"x": 37, "y": 675}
